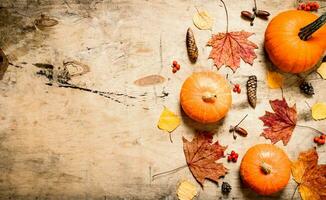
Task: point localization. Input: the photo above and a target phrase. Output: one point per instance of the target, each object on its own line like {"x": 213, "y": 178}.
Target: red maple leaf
{"x": 228, "y": 48}
{"x": 281, "y": 123}
{"x": 201, "y": 155}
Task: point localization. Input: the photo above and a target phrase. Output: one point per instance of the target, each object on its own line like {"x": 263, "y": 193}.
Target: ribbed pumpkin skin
{"x": 284, "y": 47}
{"x": 197, "y": 85}
{"x": 253, "y": 176}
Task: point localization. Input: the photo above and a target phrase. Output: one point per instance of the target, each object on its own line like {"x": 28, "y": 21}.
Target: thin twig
{"x": 294, "y": 191}
{"x": 227, "y": 17}
{"x": 255, "y": 6}
{"x": 308, "y": 105}
{"x": 303, "y": 126}
{"x": 161, "y": 53}
{"x": 168, "y": 172}
{"x": 170, "y": 136}
{"x": 241, "y": 120}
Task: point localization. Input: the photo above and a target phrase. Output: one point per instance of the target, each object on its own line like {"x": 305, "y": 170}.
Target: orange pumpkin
{"x": 291, "y": 49}
{"x": 205, "y": 97}
{"x": 265, "y": 168}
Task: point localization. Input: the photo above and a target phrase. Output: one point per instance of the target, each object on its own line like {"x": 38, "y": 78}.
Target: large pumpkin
{"x": 205, "y": 97}
{"x": 293, "y": 52}
{"x": 265, "y": 168}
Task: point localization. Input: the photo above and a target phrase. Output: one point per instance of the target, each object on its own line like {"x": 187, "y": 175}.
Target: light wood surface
{"x": 62, "y": 143}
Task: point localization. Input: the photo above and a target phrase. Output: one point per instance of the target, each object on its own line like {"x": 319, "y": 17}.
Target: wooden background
{"x": 62, "y": 143}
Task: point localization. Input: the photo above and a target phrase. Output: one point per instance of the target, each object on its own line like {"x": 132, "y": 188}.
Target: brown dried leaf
{"x": 228, "y": 48}
{"x": 310, "y": 176}
{"x": 150, "y": 80}
{"x": 201, "y": 155}
{"x": 281, "y": 123}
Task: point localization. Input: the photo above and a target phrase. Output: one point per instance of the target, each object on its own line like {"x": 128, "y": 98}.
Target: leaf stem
{"x": 314, "y": 129}
{"x": 227, "y": 16}
{"x": 295, "y": 190}
{"x": 168, "y": 172}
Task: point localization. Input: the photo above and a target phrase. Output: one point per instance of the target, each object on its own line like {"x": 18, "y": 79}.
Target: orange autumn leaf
{"x": 228, "y": 48}
{"x": 201, "y": 155}
{"x": 281, "y": 123}
{"x": 310, "y": 176}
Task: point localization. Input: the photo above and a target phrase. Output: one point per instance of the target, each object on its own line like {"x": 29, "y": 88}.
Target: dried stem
{"x": 227, "y": 17}
{"x": 295, "y": 190}
{"x": 306, "y": 32}
{"x": 168, "y": 172}
{"x": 314, "y": 129}
{"x": 255, "y": 8}
{"x": 241, "y": 120}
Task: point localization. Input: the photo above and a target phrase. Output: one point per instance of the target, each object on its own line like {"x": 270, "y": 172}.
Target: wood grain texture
{"x": 65, "y": 143}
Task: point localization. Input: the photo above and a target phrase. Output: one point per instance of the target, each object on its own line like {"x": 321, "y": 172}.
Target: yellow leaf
{"x": 168, "y": 120}
{"x": 203, "y": 20}
{"x": 318, "y": 111}
{"x": 307, "y": 193}
{"x": 298, "y": 168}
{"x": 322, "y": 70}
{"x": 274, "y": 80}
{"x": 186, "y": 190}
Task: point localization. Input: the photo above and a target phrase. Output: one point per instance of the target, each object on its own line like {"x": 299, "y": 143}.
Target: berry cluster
{"x": 236, "y": 88}
{"x": 175, "y": 66}
{"x": 320, "y": 140}
{"x": 308, "y": 6}
{"x": 233, "y": 157}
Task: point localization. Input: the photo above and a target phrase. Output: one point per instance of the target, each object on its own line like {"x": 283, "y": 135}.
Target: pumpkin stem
{"x": 306, "y": 32}
{"x": 266, "y": 168}
{"x": 209, "y": 97}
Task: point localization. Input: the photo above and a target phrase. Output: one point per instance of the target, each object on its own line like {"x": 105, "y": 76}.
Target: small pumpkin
{"x": 205, "y": 97}
{"x": 295, "y": 40}
{"x": 265, "y": 168}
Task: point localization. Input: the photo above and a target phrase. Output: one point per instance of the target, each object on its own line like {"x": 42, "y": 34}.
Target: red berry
{"x": 177, "y": 66}
{"x": 317, "y": 6}
{"x": 316, "y": 139}
{"x": 235, "y": 89}
{"x": 239, "y": 90}
{"x": 236, "y": 155}
{"x": 234, "y": 159}
{"x": 229, "y": 158}
{"x": 237, "y": 85}
{"x": 174, "y": 70}
{"x": 232, "y": 152}
{"x": 307, "y": 8}
{"x": 322, "y": 137}
{"x": 174, "y": 63}
{"x": 322, "y": 141}
{"x": 303, "y": 6}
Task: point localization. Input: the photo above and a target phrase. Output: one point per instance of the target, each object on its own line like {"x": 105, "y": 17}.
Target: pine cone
{"x": 226, "y": 187}
{"x": 252, "y": 90}
{"x": 191, "y": 46}
{"x": 307, "y": 88}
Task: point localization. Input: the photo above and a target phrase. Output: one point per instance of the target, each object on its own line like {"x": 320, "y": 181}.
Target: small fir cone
{"x": 252, "y": 91}
{"x": 191, "y": 46}
{"x": 307, "y": 88}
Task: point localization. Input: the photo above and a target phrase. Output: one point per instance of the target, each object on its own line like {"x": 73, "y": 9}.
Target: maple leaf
{"x": 281, "y": 123}
{"x": 310, "y": 176}
{"x": 201, "y": 155}
{"x": 228, "y": 48}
